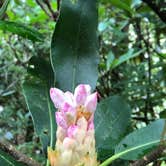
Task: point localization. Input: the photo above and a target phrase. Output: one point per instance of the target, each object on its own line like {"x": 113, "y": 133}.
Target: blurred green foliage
{"x": 15, "y": 52}
{"x": 131, "y": 32}
{"x": 132, "y": 62}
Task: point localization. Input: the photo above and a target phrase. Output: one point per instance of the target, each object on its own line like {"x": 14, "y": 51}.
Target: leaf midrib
{"x": 118, "y": 155}
{"x": 76, "y": 50}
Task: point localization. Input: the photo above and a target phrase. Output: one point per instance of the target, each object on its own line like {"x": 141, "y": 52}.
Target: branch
{"x": 157, "y": 9}
{"x": 153, "y": 156}
{"x": 143, "y": 119}
{"x": 9, "y": 149}
{"x": 46, "y": 7}
{"x": 54, "y": 14}
{"x": 43, "y": 8}
{"x": 58, "y": 4}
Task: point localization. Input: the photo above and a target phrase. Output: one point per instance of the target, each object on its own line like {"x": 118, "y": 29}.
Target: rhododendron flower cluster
{"x": 75, "y": 144}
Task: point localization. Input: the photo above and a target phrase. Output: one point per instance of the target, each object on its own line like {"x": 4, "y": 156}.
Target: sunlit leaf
{"x": 113, "y": 63}
{"x": 121, "y": 5}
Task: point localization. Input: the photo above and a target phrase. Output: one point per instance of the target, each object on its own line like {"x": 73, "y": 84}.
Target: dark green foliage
{"x": 36, "y": 91}
{"x": 141, "y": 79}
{"x": 112, "y": 119}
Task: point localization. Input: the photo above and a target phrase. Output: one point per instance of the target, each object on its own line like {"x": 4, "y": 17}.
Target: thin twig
{"x": 9, "y": 149}
{"x": 58, "y": 4}
{"x": 143, "y": 119}
{"x": 54, "y": 14}
{"x": 46, "y": 7}
{"x": 43, "y": 8}
{"x": 153, "y": 156}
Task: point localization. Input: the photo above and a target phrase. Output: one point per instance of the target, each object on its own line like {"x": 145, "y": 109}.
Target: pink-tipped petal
{"x": 88, "y": 88}
{"x": 81, "y": 93}
{"x": 72, "y": 131}
{"x": 68, "y": 109}
{"x": 91, "y": 102}
{"x": 57, "y": 96}
{"x": 69, "y": 98}
{"x": 60, "y": 120}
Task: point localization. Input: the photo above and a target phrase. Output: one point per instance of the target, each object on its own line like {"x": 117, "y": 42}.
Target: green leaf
{"x": 162, "y": 55}
{"x": 163, "y": 114}
{"x": 128, "y": 2}
{"x": 21, "y": 30}
{"x": 7, "y": 160}
{"x": 138, "y": 143}
{"x": 142, "y": 141}
{"x": 110, "y": 59}
{"x": 18, "y": 2}
{"x": 136, "y": 3}
{"x": 121, "y": 5}
{"x": 4, "y": 8}
{"x": 36, "y": 92}
{"x": 123, "y": 58}
{"x": 112, "y": 119}
{"x": 74, "y": 49}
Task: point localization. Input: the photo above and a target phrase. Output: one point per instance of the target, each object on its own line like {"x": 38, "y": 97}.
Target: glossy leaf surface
{"x": 74, "y": 49}
{"x": 112, "y": 119}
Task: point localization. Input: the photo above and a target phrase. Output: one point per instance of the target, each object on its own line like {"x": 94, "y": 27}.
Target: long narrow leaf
{"x": 21, "y": 30}
{"x": 4, "y": 8}
{"x": 121, "y": 5}
{"x": 123, "y": 58}
{"x": 7, "y": 160}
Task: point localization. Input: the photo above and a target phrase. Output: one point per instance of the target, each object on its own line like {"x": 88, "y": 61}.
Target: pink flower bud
{"x": 67, "y": 108}
{"x": 72, "y": 131}
{"x": 91, "y": 102}
{"x": 75, "y": 144}
{"x": 69, "y": 98}
{"x": 81, "y": 93}
{"x": 57, "y": 97}
{"x": 60, "y": 119}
